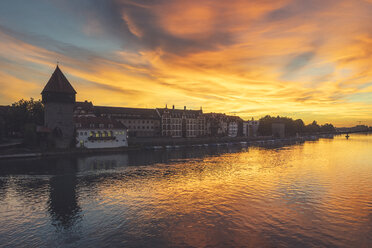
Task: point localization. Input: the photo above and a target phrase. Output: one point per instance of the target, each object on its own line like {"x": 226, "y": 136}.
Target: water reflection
{"x": 3, "y": 186}
{"x": 317, "y": 194}
{"x": 63, "y": 204}
{"x": 103, "y": 162}
{"x": 76, "y": 164}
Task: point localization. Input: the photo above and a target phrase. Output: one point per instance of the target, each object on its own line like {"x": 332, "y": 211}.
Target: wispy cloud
{"x": 309, "y": 59}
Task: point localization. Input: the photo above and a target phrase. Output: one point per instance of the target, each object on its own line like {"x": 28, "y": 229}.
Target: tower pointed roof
{"x": 58, "y": 83}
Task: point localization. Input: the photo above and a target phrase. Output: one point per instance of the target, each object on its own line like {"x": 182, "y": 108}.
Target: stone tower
{"x": 58, "y": 97}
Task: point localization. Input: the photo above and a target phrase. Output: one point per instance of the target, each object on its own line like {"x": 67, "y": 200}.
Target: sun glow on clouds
{"x": 304, "y": 59}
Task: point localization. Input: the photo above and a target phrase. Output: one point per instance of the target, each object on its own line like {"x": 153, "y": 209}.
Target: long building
{"x": 141, "y": 122}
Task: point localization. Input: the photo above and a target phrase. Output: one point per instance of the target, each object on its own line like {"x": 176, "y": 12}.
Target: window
{"x": 101, "y": 125}
{"x": 91, "y": 125}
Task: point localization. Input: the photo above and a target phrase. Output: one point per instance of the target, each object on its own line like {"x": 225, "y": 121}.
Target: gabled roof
{"x": 58, "y": 83}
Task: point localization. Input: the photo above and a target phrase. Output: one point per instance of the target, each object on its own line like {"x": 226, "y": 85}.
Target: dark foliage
{"x": 22, "y": 118}
{"x": 292, "y": 127}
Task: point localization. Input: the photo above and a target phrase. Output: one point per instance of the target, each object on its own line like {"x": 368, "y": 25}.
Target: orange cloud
{"x": 303, "y": 59}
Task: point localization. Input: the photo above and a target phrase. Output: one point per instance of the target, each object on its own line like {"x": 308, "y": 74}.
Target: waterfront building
{"x": 232, "y": 129}
{"x": 233, "y": 126}
{"x": 58, "y": 97}
{"x": 141, "y": 122}
{"x": 100, "y": 132}
{"x": 250, "y": 128}
{"x": 181, "y": 123}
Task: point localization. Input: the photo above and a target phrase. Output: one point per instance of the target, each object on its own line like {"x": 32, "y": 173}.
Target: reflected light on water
{"x": 314, "y": 194}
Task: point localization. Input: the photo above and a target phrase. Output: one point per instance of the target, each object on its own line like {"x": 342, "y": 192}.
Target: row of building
{"x": 92, "y": 126}
{"x": 170, "y": 122}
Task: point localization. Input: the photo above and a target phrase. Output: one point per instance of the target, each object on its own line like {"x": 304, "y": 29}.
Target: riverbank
{"x": 164, "y": 144}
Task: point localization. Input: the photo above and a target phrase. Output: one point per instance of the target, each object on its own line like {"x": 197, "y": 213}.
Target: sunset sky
{"x": 298, "y": 58}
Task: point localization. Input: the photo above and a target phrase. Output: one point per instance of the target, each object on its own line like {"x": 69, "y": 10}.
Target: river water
{"x": 316, "y": 194}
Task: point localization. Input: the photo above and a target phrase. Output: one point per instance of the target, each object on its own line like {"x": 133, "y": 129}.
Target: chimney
{"x": 173, "y": 106}
{"x": 184, "y": 107}
{"x": 166, "y": 106}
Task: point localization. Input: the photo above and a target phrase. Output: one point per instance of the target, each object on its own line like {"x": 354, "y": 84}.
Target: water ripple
{"x": 307, "y": 195}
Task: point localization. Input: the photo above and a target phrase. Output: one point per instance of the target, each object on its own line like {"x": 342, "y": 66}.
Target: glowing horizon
{"x": 296, "y": 58}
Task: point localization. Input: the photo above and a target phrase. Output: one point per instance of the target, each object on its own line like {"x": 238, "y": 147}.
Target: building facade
{"x": 232, "y": 128}
{"x": 99, "y": 132}
{"x": 235, "y": 126}
{"x": 179, "y": 123}
{"x": 140, "y": 122}
{"x": 250, "y": 128}
{"x": 58, "y": 97}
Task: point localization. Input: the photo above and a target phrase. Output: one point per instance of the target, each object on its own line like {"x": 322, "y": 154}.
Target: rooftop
{"x": 180, "y": 112}
{"x": 126, "y": 112}
{"x": 58, "y": 83}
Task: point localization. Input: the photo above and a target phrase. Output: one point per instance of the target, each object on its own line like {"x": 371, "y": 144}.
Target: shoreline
{"x": 170, "y": 144}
